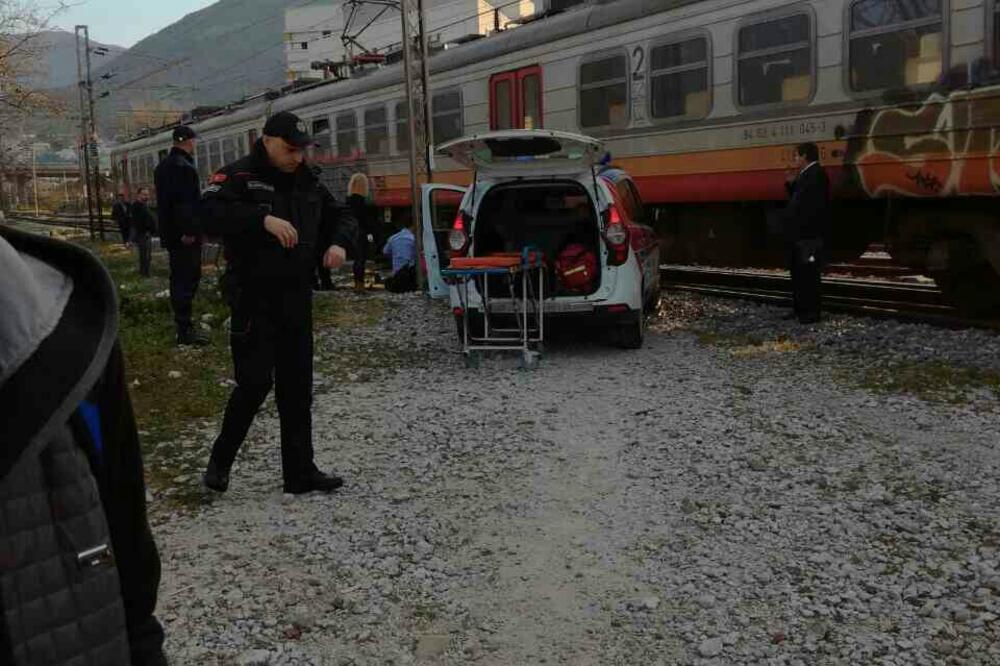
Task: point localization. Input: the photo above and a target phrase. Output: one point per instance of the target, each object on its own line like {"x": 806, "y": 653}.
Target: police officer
{"x": 177, "y": 195}
{"x": 273, "y": 213}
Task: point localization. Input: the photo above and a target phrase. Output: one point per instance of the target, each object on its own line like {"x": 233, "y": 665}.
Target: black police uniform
{"x": 807, "y": 222}
{"x": 269, "y": 290}
{"x": 177, "y": 195}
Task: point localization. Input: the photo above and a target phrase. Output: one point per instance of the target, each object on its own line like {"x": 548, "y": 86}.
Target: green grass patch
{"x": 935, "y": 381}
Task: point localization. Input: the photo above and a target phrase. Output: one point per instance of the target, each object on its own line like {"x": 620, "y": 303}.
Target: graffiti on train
{"x": 948, "y": 146}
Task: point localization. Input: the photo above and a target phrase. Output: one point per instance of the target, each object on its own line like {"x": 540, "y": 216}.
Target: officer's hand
{"x": 334, "y": 257}
{"x": 282, "y": 230}
{"x": 187, "y": 240}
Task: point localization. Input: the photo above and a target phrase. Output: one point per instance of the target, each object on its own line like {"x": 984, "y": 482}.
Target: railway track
{"x": 71, "y": 221}
{"x": 878, "y": 298}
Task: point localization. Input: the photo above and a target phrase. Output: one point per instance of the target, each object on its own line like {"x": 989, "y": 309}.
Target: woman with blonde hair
{"x": 359, "y": 200}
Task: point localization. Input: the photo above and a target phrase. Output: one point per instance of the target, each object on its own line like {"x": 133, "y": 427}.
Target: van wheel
{"x": 632, "y": 332}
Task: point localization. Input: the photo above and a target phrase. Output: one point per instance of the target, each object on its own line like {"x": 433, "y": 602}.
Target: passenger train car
{"x": 703, "y": 102}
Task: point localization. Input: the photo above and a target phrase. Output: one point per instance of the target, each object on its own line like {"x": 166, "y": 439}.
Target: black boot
{"x": 191, "y": 336}
{"x": 314, "y": 480}
{"x": 216, "y": 479}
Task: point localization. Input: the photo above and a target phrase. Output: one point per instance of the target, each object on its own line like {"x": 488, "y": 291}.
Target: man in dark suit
{"x": 806, "y": 224}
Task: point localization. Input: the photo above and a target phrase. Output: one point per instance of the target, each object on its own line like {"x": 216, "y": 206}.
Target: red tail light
{"x": 616, "y": 237}
{"x": 458, "y": 239}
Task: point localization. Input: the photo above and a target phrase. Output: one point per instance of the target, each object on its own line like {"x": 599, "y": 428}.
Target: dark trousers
{"x": 185, "y": 274}
{"x": 806, "y": 278}
{"x": 323, "y": 277}
{"x": 123, "y": 228}
{"x": 272, "y": 344}
{"x": 361, "y": 257}
{"x": 144, "y": 244}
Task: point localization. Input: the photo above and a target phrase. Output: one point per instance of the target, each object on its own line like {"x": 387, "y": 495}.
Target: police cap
{"x": 289, "y": 127}
{"x": 183, "y": 133}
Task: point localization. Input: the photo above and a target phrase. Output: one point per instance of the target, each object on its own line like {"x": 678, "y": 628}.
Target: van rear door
{"x": 520, "y": 153}
{"x": 440, "y": 205}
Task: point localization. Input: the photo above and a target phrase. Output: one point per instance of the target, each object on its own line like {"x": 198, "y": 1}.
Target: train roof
{"x": 592, "y": 16}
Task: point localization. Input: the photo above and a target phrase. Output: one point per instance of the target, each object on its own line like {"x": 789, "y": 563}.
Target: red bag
{"x": 576, "y": 269}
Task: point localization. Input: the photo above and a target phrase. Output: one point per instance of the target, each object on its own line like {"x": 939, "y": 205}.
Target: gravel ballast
{"x": 742, "y": 490}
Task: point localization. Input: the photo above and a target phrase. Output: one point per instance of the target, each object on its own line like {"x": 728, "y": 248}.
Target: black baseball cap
{"x": 183, "y": 133}
{"x": 289, "y": 127}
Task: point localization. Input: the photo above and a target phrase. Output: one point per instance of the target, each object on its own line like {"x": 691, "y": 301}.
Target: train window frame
{"x": 460, "y": 112}
{"x": 229, "y": 140}
{"x": 337, "y": 132}
{"x": 993, "y": 33}
{"x": 201, "y": 160}
{"x": 604, "y": 55}
{"x": 678, "y": 38}
{"x": 397, "y": 105}
{"x": 384, "y": 126}
{"x": 214, "y": 155}
{"x": 798, "y": 9}
{"x": 848, "y": 34}
{"x": 516, "y": 78}
{"x": 322, "y": 137}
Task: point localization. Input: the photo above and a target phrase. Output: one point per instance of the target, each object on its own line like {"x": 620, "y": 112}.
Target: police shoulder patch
{"x": 211, "y": 189}
{"x": 218, "y": 178}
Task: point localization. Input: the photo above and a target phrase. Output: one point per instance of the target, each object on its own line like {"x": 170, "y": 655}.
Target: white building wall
{"x": 314, "y": 33}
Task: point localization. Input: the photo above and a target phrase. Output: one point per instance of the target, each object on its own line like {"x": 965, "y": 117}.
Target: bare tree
{"x": 21, "y": 49}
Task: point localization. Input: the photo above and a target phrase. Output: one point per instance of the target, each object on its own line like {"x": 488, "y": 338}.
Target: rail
{"x": 876, "y": 298}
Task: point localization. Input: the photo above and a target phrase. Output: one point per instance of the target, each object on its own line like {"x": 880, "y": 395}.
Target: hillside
{"x": 223, "y": 52}
{"x": 59, "y": 68}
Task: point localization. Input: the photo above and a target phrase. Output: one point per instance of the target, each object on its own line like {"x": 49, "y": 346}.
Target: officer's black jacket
{"x": 807, "y": 215}
{"x": 142, "y": 219}
{"x": 238, "y": 198}
{"x": 177, "y": 195}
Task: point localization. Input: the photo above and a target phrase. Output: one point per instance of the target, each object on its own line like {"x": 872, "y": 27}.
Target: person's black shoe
{"x": 314, "y": 480}
{"x": 191, "y": 337}
{"x": 215, "y": 479}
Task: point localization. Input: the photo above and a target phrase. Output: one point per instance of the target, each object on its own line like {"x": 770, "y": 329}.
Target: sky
{"x": 123, "y": 23}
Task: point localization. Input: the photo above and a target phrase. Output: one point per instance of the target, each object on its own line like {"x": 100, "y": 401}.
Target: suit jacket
{"x": 178, "y": 193}
{"x": 807, "y": 215}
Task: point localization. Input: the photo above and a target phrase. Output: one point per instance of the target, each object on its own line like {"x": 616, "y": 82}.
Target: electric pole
{"x": 418, "y": 103}
{"x": 93, "y": 139}
{"x": 34, "y": 176}
{"x": 84, "y": 143}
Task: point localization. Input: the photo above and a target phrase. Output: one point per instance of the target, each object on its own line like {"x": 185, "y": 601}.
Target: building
{"x": 317, "y": 33}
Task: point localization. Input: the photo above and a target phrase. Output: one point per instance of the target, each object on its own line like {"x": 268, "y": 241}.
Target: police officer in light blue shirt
{"x": 401, "y": 248}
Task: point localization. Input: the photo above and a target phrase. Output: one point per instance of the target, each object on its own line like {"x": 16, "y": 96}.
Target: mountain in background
{"x": 59, "y": 68}
{"x": 219, "y": 54}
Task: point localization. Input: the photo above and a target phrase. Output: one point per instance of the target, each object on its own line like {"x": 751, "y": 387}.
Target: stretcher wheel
{"x": 530, "y": 360}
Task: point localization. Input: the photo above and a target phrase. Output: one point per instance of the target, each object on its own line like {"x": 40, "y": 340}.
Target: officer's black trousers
{"x": 185, "y": 274}
{"x": 806, "y": 283}
{"x": 144, "y": 244}
{"x": 272, "y": 345}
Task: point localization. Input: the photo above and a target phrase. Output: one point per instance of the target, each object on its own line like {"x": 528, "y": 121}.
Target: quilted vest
{"x": 59, "y": 591}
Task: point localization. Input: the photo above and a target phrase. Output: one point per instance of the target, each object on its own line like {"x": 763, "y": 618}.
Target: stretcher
{"x": 526, "y": 303}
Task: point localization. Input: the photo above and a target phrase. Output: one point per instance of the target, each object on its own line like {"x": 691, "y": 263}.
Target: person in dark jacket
{"x": 273, "y": 213}
{"x": 177, "y": 195}
{"x": 143, "y": 228}
{"x": 120, "y": 214}
{"x": 79, "y": 570}
{"x": 359, "y": 201}
{"x": 806, "y": 227}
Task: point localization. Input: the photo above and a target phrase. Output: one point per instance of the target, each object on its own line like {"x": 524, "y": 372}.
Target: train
{"x": 703, "y": 103}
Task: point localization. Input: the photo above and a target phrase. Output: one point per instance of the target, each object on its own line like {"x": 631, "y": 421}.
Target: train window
{"x": 214, "y": 156}
{"x": 228, "y": 150}
{"x": 503, "y": 101}
{"x": 347, "y": 134}
{"x": 516, "y": 99}
{"x": 775, "y": 61}
{"x": 241, "y": 144}
{"x": 322, "y": 137}
{"x": 376, "y": 131}
{"x": 604, "y": 92}
{"x": 446, "y": 116}
{"x": 678, "y": 77}
{"x": 895, "y": 44}
{"x": 201, "y": 159}
{"x": 161, "y": 155}
{"x": 402, "y": 127}
{"x": 150, "y": 165}
{"x": 994, "y": 20}
{"x": 251, "y": 137}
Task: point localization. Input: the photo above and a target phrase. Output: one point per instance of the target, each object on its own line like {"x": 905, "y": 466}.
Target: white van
{"x": 546, "y": 189}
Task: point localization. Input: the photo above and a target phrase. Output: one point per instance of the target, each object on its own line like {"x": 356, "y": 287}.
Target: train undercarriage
{"x": 954, "y": 241}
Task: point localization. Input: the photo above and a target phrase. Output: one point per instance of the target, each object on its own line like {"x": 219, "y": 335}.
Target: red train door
{"x": 516, "y": 99}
